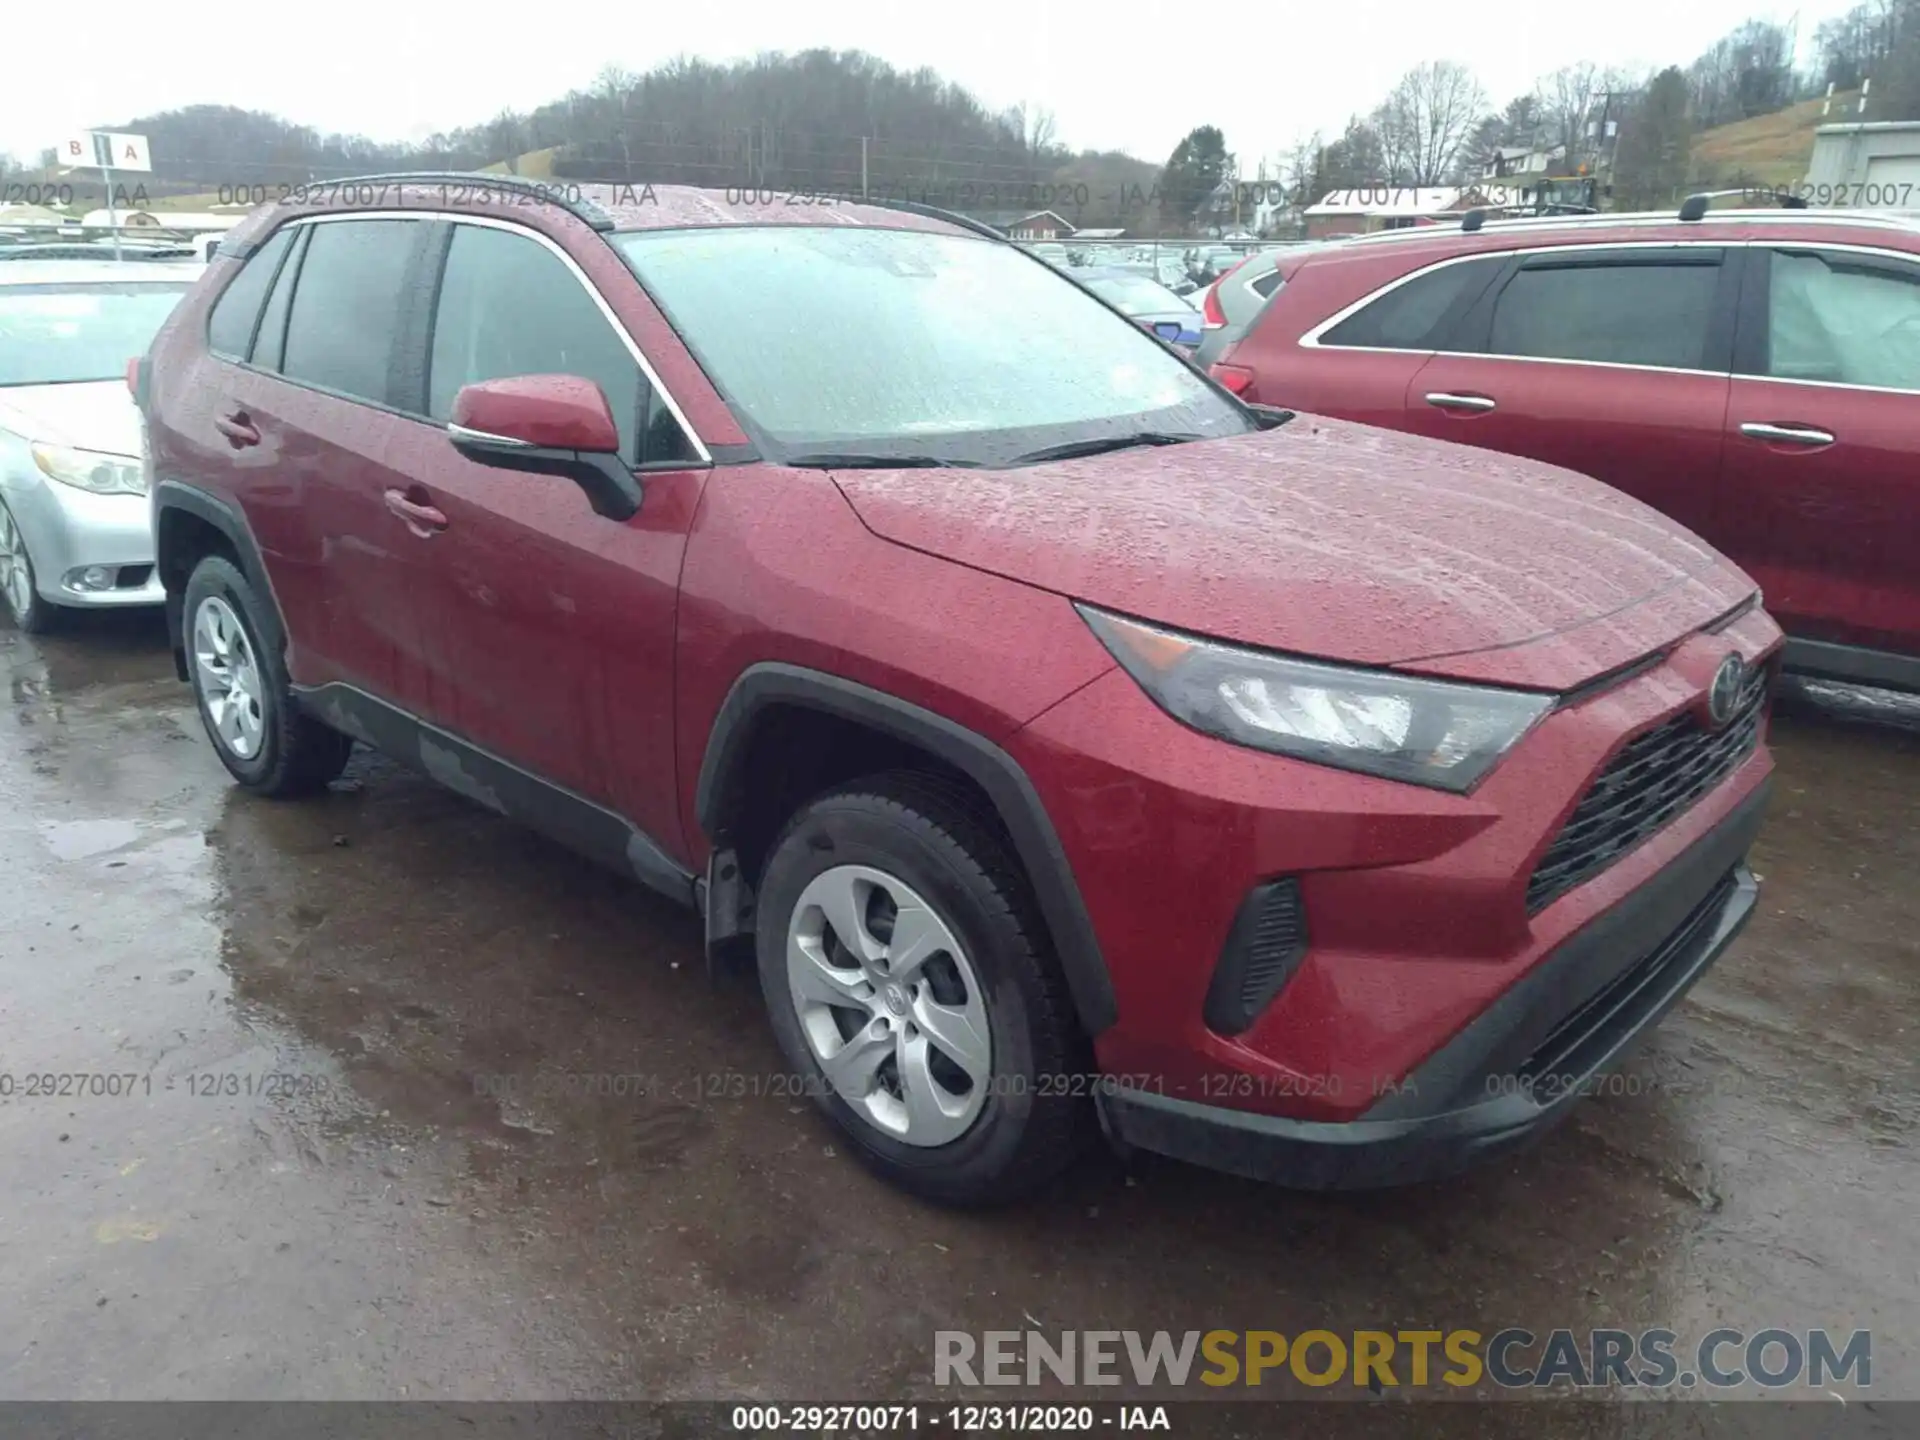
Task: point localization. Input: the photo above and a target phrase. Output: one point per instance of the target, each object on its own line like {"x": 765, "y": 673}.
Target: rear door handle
{"x": 239, "y": 430}
{"x": 1474, "y": 404}
{"x": 422, "y": 519}
{"x": 1786, "y": 434}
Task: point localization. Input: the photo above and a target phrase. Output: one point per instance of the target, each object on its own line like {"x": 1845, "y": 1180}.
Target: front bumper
{"x": 1512, "y": 1072}
{"x": 68, "y": 529}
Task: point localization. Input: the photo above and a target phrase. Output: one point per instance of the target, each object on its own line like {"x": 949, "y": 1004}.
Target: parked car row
{"x": 1064, "y": 736}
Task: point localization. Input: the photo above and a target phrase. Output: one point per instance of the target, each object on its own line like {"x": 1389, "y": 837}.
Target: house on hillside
{"x": 1387, "y": 207}
{"x": 1522, "y": 160}
{"x": 1040, "y": 225}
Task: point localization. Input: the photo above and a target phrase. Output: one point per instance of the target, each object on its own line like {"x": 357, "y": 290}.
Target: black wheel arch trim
{"x": 772, "y": 683}
{"x": 227, "y": 519}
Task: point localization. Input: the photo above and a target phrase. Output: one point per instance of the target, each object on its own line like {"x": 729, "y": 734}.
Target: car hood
{"x": 92, "y": 415}
{"x": 1333, "y": 540}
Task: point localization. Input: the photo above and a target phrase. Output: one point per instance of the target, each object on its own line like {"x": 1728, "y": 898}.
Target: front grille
{"x": 1558, "y": 1052}
{"x": 1658, "y": 775}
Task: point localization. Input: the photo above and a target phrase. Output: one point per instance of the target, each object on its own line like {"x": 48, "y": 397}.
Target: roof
{"x": 1869, "y": 127}
{"x": 629, "y": 207}
{"x": 1391, "y": 200}
{"x": 94, "y": 272}
{"x": 1044, "y": 215}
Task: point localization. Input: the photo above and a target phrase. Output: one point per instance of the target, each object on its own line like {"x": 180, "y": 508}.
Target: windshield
{"x": 905, "y": 342}
{"x": 1136, "y": 295}
{"x": 64, "y": 334}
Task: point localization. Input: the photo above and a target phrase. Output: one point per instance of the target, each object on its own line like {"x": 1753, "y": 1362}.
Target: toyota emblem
{"x": 1724, "y": 694}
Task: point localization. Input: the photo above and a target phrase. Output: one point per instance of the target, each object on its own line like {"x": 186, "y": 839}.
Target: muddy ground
{"x": 388, "y": 1220}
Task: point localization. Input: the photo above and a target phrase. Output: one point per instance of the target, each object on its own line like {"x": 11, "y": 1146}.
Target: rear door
{"x": 310, "y": 420}
{"x": 553, "y": 626}
{"x": 1610, "y": 360}
{"x": 1823, "y": 442}
{"x": 1356, "y": 365}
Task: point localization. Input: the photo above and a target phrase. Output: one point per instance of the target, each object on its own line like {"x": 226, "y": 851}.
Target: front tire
{"x": 31, "y": 611}
{"x": 912, "y": 988}
{"x": 265, "y": 740}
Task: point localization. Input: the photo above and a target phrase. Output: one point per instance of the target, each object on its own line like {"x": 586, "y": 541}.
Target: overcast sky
{"x": 1129, "y": 76}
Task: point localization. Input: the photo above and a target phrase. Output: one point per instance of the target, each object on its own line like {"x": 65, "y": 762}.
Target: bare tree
{"x": 1567, "y": 101}
{"x": 1427, "y": 120}
{"x": 1038, "y": 131}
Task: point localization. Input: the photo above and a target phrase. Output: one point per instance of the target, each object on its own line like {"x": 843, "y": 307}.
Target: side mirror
{"x": 547, "y": 425}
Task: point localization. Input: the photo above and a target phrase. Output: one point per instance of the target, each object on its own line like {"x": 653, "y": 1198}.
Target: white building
{"x": 178, "y": 220}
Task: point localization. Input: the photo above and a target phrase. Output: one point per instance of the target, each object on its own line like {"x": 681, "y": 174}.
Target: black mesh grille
{"x": 1279, "y": 934}
{"x": 1266, "y": 944}
{"x": 1658, "y": 775}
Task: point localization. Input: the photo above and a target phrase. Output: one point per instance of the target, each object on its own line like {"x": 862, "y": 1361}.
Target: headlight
{"x": 1429, "y": 732}
{"x": 91, "y": 470}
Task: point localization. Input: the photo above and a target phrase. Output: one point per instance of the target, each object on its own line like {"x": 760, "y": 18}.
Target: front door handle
{"x": 238, "y": 428}
{"x": 1472, "y": 404}
{"x": 422, "y": 519}
{"x": 1786, "y": 434}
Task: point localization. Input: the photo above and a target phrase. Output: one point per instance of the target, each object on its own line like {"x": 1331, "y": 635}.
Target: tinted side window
{"x": 270, "y": 338}
{"x": 1265, "y": 285}
{"x": 1844, "y": 319}
{"x": 230, "y": 327}
{"x": 510, "y": 306}
{"x": 346, "y": 305}
{"x": 1405, "y": 317}
{"x": 1648, "y": 314}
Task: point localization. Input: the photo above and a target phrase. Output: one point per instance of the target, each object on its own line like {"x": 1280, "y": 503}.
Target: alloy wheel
{"x": 228, "y": 678}
{"x": 16, "y": 570}
{"x": 890, "y": 1005}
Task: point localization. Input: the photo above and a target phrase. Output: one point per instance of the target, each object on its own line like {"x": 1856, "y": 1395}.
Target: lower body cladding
{"x": 1513, "y": 1072}
{"x": 86, "y": 549}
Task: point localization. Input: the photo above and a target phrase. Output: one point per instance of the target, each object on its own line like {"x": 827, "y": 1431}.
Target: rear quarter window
{"x": 237, "y": 311}
{"x": 1409, "y": 316}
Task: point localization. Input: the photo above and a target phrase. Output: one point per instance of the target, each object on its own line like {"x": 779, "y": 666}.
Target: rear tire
{"x": 266, "y": 741}
{"x": 953, "y": 1048}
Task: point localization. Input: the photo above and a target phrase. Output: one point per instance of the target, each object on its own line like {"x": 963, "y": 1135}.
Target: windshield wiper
{"x": 1074, "y": 449}
{"x": 853, "y": 460}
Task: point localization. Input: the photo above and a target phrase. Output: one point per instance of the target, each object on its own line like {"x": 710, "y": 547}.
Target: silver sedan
{"x": 74, "y": 530}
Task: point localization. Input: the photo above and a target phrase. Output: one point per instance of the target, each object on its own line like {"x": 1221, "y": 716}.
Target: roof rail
{"x": 952, "y": 217}
{"x": 1696, "y": 206}
{"x": 580, "y": 208}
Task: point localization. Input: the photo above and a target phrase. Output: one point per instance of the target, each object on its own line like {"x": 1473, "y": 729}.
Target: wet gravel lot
{"x": 334, "y": 1170}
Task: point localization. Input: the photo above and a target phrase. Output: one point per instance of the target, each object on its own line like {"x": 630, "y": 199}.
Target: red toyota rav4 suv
{"x": 1753, "y": 374}
{"x": 1313, "y": 801}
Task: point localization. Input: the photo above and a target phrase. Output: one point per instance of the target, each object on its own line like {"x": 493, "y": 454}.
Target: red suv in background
{"x": 1318, "y": 802}
{"x": 1754, "y": 375}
